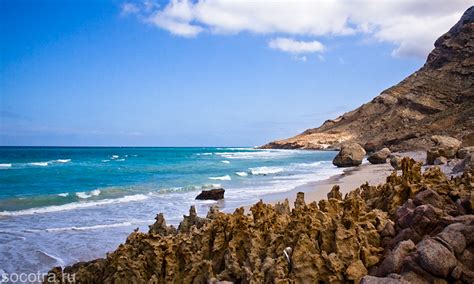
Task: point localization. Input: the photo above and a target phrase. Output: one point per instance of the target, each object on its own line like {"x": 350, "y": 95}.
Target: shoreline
{"x": 350, "y": 179}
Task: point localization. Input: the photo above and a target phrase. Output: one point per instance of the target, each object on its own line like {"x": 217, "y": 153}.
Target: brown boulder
{"x": 463, "y": 152}
{"x": 396, "y": 162}
{"x": 379, "y": 157}
{"x": 350, "y": 155}
{"x": 444, "y": 146}
{"x": 213, "y": 194}
{"x": 436, "y": 258}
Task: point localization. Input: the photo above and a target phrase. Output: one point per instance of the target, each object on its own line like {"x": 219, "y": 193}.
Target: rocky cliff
{"x": 437, "y": 99}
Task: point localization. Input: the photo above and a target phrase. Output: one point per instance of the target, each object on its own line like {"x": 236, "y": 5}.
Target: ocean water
{"x": 63, "y": 205}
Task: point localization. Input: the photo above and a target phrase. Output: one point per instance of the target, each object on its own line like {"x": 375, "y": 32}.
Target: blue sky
{"x": 127, "y": 74}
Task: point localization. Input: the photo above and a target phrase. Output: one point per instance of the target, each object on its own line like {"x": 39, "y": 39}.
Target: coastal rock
{"x": 350, "y": 155}
{"x": 465, "y": 164}
{"x": 383, "y": 280}
{"x": 396, "y": 162}
{"x": 335, "y": 193}
{"x": 465, "y": 151}
{"x": 445, "y": 146}
{"x": 440, "y": 161}
{"x": 212, "y": 194}
{"x": 436, "y": 258}
{"x": 379, "y": 157}
{"x": 409, "y": 229}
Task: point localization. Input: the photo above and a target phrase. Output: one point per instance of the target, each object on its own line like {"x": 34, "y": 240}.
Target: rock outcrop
{"x": 212, "y": 194}
{"x": 379, "y": 157}
{"x": 351, "y": 155}
{"x": 445, "y": 146}
{"x": 436, "y": 99}
{"x": 415, "y": 227}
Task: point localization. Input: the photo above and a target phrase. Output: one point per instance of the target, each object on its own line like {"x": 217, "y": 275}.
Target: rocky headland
{"x": 438, "y": 99}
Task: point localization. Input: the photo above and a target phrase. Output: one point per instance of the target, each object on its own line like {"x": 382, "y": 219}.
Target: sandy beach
{"x": 349, "y": 180}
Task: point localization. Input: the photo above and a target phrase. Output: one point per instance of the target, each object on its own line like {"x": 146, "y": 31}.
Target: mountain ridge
{"x": 436, "y": 99}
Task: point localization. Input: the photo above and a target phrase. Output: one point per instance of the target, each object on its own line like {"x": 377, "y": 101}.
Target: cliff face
{"x": 437, "y": 99}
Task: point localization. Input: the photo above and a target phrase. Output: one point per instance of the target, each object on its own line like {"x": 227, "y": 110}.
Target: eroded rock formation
{"x": 393, "y": 232}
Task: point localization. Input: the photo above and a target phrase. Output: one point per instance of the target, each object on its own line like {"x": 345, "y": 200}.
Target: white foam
{"x": 226, "y": 177}
{"x": 5, "y": 165}
{"x": 84, "y": 195}
{"x": 210, "y": 186}
{"x": 63, "y": 160}
{"x": 86, "y": 228}
{"x": 259, "y": 154}
{"x": 41, "y": 164}
{"x": 59, "y": 260}
{"x": 120, "y": 160}
{"x": 114, "y": 156}
{"x": 225, "y": 162}
{"x": 75, "y": 205}
{"x": 203, "y": 154}
{"x": 105, "y": 161}
{"x": 266, "y": 170}
{"x": 242, "y": 174}
{"x": 65, "y": 194}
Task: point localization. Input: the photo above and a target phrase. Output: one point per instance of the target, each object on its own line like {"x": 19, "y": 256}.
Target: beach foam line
{"x": 95, "y": 227}
{"x": 226, "y": 177}
{"x": 47, "y": 163}
{"x": 242, "y": 174}
{"x": 83, "y": 195}
{"x": 75, "y": 205}
{"x": 259, "y": 154}
{"x": 266, "y": 170}
{"x": 58, "y": 260}
{"x": 64, "y": 194}
{"x": 41, "y": 164}
{"x": 204, "y": 154}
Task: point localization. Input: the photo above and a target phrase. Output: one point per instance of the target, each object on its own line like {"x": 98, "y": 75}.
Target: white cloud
{"x": 411, "y": 25}
{"x": 294, "y": 46}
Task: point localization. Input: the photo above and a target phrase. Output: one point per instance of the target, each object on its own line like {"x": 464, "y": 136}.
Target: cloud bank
{"x": 410, "y": 25}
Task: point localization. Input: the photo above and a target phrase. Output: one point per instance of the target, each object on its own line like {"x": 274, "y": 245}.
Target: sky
{"x": 201, "y": 73}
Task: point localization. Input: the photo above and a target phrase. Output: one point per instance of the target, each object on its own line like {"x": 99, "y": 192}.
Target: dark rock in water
{"x": 213, "y": 194}
{"x": 350, "y": 155}
{"x": 379, "y": 157}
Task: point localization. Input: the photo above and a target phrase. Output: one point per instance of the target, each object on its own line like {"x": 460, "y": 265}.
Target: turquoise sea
{"x": 63, "y": 205}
